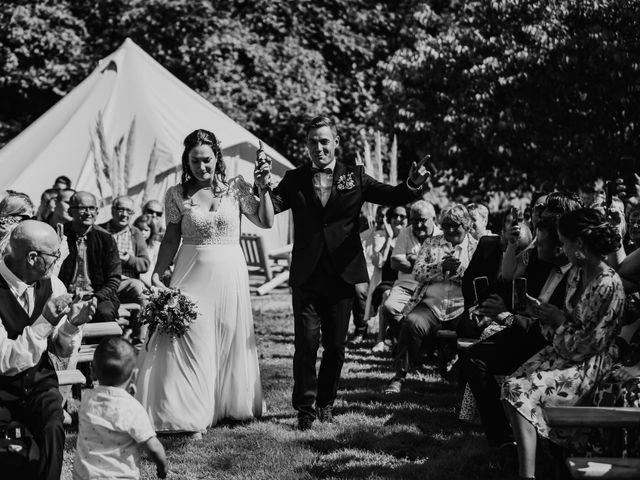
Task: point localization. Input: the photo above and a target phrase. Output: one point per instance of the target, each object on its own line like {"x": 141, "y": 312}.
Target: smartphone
{"x": 481, "y": 289}
{"x": 60, "y": 230}
{"x": 519, "y": 295}
{"x": 627, "y": 167}
{"x": 511, "y": 217}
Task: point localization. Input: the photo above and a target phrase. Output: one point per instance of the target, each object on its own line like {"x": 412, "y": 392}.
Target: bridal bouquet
{"x": 169, "y": 312}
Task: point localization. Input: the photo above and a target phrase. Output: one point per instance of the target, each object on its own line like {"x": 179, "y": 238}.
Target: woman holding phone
{"x": 212, "y": 371}
{"x": 582, "y": 349}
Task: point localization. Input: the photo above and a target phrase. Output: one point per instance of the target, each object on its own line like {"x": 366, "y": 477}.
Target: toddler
{"x": 113, "y": 424}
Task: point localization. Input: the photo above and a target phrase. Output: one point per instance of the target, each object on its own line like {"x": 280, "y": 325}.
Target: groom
{"x": 327, "y": 260}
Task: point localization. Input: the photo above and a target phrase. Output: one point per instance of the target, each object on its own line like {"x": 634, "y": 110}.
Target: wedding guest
{"x": 437, "y": 302}
{"x": 14, "y": 208}
{"x": 61, "y": 213}
{"x": 480, "y": 216}
{"x": 632, "y": 239}
{"x": 47, "y": 206}
{"x": 582, "y": 348}
{"x": 327, "y": 260}
{"x": 132, "y": 249}
{"x": 93, "y": 265}
{"x": 384, "y": 275}
{"x": 155, "y": 210}
{"x": 62, "y": 183}
{"x": 113, "y": 425}
{"x": 147, "y": 228}
{"x": 373, "y": 241}
{"x": 422, "y": 217}
{"x": 33, "y": 306}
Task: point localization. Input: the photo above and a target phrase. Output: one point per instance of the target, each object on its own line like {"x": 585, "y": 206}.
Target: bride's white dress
{"x": 212, "y": 371}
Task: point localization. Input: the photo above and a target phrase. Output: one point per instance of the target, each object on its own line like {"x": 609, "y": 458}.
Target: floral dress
{"x": 581, "y": 353}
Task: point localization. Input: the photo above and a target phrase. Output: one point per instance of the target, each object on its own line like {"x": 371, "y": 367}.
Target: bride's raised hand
{"x": 262, "y": 170}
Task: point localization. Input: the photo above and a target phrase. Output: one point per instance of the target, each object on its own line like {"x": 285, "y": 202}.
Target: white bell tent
{"x": 127, "y": 111}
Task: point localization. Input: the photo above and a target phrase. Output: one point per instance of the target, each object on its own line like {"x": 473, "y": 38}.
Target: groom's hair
{"x": 113, "y": 361}
{"x": 319, "y": 122}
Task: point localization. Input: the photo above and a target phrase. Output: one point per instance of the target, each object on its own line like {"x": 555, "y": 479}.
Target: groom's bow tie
{"x": 315, "y": 170}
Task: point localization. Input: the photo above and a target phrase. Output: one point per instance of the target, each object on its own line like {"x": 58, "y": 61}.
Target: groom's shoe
{"x": 305, "y": 422}
{"x": 325, "y": 414}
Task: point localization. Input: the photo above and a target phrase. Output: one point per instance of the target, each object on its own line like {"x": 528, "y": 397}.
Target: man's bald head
{"x": 32, "y": 235}
{"x": 83, "y": 199}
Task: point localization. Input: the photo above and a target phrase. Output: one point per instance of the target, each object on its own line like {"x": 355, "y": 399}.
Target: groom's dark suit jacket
{"x": 334, "y": 227}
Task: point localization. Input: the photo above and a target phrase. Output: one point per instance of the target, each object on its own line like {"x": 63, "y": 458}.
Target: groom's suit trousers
{"x": 321, "y": 310}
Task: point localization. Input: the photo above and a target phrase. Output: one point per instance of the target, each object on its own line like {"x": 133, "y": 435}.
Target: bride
{"x": 212, "y": 371}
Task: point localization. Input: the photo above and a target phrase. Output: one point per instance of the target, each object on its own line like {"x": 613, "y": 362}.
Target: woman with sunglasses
{"x": 14, "y": 208}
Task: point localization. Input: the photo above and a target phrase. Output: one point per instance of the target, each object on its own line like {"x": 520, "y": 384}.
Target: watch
{"x": 508, "y": 321}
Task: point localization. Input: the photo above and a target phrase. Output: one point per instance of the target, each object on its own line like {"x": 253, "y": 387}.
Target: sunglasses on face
{"x": 153, "y": 213}
{"x": 450, "y": 225}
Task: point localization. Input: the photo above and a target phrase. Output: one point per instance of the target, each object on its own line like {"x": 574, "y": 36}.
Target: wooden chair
{"x": 591, "y": 417}
{"x": 267, "y": 261}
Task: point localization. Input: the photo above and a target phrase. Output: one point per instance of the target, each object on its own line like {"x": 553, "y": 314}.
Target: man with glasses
{"x": 422, "y": 217}
{"x": 132, "y": 249}
{"x": 92, "y": 268}
{"x": 36, "y": 316}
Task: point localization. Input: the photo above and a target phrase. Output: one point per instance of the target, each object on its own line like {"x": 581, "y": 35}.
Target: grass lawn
{"x": 414, "y": 435}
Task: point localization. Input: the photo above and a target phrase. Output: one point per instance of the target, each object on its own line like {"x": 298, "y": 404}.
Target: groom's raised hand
{"x": 421, "y": 171}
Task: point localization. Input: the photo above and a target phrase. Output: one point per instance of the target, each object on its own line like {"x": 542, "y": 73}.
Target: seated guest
{"x": 14, "y": 208}
{"x": 383, "y": 275}
{"x": 93, "y": 264}
{"x": 632, "y": 239}
{"x": 480, "y": 216}
{"x": 155, "y": 210}
{"x": 373, "y": 241}
{"x": 61, "y": 212}
{"x": 47, "y": 204}
{"x": 132, "y": 249}
{"x": 514, "y": 261}
{"x": 437, "y": 303}
{"x": 503, "y": 352}
{"x": 62, "y": 183}
{"x": 147, "y": 229}
{"x": 422, "y": 218}
{"x": 583, "y": 346}
{"x": 33, "y": 306}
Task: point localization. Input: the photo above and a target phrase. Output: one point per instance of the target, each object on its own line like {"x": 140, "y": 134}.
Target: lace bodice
{"x": 203, "y": 227}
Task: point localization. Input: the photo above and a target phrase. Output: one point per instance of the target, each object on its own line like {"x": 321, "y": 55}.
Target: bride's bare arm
{"x": 167, "y": 252}
{"x": 263, "y": 218}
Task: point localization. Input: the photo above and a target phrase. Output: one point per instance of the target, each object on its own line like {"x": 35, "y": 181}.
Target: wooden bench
{"x": 593, "y": 417}
{"x": 70, "y": 377}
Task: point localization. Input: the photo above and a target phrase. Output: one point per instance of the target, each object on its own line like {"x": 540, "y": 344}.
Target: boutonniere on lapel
{"x": 346, "y": 181}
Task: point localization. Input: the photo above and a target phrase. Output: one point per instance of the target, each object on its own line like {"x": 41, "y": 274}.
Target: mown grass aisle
{"x": 414, "y": 435}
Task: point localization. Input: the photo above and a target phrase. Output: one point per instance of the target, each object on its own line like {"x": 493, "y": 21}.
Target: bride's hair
{"x": 195, "y": 139}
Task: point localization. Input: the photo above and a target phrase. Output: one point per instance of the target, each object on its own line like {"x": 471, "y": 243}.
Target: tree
{"x": 543, "y": 86}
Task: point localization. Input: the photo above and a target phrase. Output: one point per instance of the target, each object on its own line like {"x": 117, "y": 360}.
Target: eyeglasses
{"x": 421, "y": 220}
{"x": 56, "y": 255}
{"x": 153, "y": 212}
{"x": 398, "y": 215}
{"x": 85, "y": 209}
{"x": 128, "y": 211}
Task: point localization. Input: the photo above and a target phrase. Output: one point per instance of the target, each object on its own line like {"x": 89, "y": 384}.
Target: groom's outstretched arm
{"x": 383, "y": 194}
{"x": 279, "y": 195}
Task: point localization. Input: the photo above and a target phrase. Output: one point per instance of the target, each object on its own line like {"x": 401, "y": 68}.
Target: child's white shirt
{"x": 111, "y": 425}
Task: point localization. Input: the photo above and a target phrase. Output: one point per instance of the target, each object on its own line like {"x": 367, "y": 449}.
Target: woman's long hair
{"x": 195, "y": 139}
